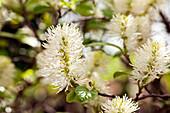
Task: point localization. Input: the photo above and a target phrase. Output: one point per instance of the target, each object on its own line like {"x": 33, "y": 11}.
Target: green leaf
{"x": 96, "y": 24}
{"x": 119, "y": 73}
{"x": 40, "y": 9}
{"x": 132, "y": 57}
{"x": 75, "y": 1}
{"x": 65, "y": 3}
{"x": 31, "y": 4}
{"x": 114, "y": 66}
{"x": 107, "y": 13}
{"x": 84, "y": 94}
{"x": 71, "y": 97}
{"x": 117, "y": 54}
{"x": 11, "y": 35}
{"x": 85, "y": 9}
{"x": 94, "y": 93}
{"x": 29, "y": 74}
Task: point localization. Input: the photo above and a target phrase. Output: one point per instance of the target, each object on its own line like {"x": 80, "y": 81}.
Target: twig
{"x": 91, "y": 18}
{"x": 154, "y": 95}
{"x": 27, "y": 22}
{"x": 165, "y": 21}
{"x": 147, "y": 90}
{"x": 22, "y": 88}
{"x": 139, "y": 92}
{"x": 66, "y": 12}
{"x": 105, "y": 95}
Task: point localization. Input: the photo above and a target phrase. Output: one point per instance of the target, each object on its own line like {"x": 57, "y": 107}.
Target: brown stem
{"x": 139, "y": 92}
{"x": 147, "y": 90}
{"x": 165, "y": 21}
{"x": 90, "y": 18}
{"x": 105, "y": 95}
{"x": 19, "y": 95}
{"x": 154, "y": 95}
{"x": 66, "y": 12}
{"x": 27, "y": 22}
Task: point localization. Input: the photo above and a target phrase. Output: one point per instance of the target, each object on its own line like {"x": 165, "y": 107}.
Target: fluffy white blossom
{"x": 97, "y": 61}
{"x": 143, "y": 7}
{"x": 120, "y": 105}
{"x": 124, "y": 27}
{"x": 7, "y": 70}
{"x": 96, "y": 102}
{"x": 121, "y": 6}
{"x": 5, "y": 15}
{"x": 144, "y": 26}
{"x": 136, "y": 7}
{"x": 140, "y": 6}
{"x": 60, "y": 62}
{"x": 96, "y": 65}
{"x": 98, "y": 83}
{"x": 151, "y": 61}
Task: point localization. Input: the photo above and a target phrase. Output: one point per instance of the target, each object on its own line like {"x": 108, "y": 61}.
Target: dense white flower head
{"x": 144, "y": 7}
{"x": 120, "y": 105}
{"x": 60, "y": 62}
{"x": 7, "y": 70}
{"x": 140, "y": 6}
{"x": 144, "y": 27}
{"x": 124, "y": 27}
{"x": 136, "y": 7}
{"x": 98, "y": 83}
{"x": 97, "y": 101}
{"x": 96, "y": 65}
{"x": 151, "y": 61}
{"x": 121, "y": 6}
{"x": 97, "y": 61}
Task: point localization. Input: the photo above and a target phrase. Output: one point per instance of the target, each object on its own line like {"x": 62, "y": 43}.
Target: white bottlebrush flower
{"x": 142, "y": 7}
{"x": 60, "y": 63}
{"x": 139, "y": 7}
{"x": 98, "y": 83}
{"x": 97, "y": 61}
{"x": 151, "y": 61}
{"x": 120, "y": 105}
{"x": 96, "y": 65}
{"x": 7, "y": 70}
{"x": 144, "y": 27}
{"x": 96, "y": 102}
{"x": 124, "y": 27}
{"x": 121, "y": 6}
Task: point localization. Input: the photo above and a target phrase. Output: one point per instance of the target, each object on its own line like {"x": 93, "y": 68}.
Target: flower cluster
{"x": 7, "y": 70}
{"x": 151, "y": 61}
{"x": 144, "y": 27}
{"x": 136, "y": 7}
{"x": 61, "y": 62}
{"x": 134, "y": 31}
{"x": 120, "y": 105}
{"x": 96, "y": 65}
{"x": 124, "y": 27}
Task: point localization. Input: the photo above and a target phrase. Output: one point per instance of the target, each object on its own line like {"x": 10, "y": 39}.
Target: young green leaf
{"x": 40, "y": 9}
{"x": 85, "y": 9}
{"x": 107, "y": 13}
{"x": 71, "y": 97}
{"x": 120, "y": 73}
{"x": 84, "y": 94}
